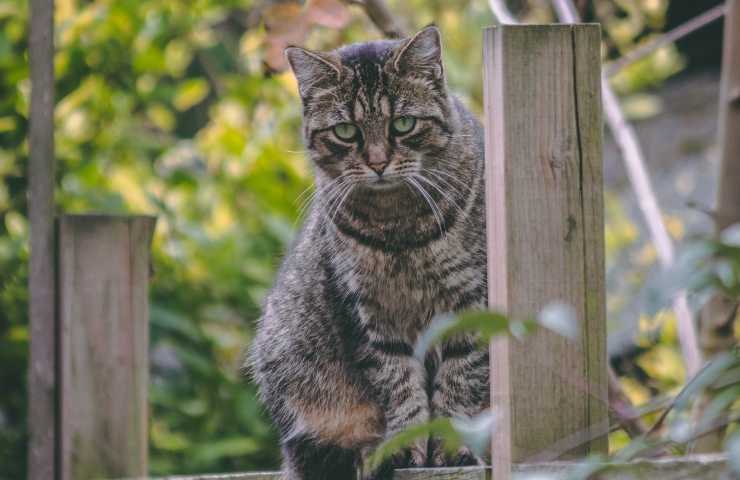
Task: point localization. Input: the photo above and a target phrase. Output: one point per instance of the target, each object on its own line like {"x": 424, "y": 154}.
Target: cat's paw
{"x": 407, "y": 458}
{"x": 462, "y": 457}
{"x": 411, "y": 457}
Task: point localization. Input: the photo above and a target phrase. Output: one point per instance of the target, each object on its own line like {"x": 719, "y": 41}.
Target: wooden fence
{"x": 546, "y": 244}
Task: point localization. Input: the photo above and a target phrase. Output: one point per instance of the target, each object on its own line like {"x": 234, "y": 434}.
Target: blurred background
{"x": 183, "y": 109}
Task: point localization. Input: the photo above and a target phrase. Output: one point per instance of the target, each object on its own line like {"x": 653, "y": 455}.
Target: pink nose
{"x": 377, "y": 160}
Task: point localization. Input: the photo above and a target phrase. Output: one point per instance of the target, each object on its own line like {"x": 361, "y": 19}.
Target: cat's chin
{"x": 383, "y": 184}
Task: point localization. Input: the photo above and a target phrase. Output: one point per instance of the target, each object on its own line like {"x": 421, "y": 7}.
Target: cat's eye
{"x": 345, "y": 131}
{"x": 403, "y": 124}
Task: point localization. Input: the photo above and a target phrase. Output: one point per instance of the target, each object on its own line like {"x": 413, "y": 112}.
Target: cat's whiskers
{"x": 437, "y": 172}
{"x": 444, "y": 194}
{"x": 305, "y": 203}
{"x": 335, "y": 197}
{"x": 349, "y": 189}
{"x": 325, "y": 191}
{"x": 430, "y": 201}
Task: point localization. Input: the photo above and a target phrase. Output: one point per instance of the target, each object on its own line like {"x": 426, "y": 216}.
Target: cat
{"x": 395, "y": 236}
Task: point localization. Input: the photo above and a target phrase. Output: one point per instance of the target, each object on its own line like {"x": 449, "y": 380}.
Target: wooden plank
{"x": 455, "y": 473}
{"x": 41, "y": 283}
{"x": 545, "y": 232}
{"x": 728, "y": 198}
{"x": 717, "y": 315}
{"x": 228, "y": 476}
{"x": 671, "y": 468}
{"x": 104, "y": 322}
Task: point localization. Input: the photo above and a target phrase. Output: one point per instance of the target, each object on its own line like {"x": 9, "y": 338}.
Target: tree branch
{"x": 501, "y": 12}
{"x": 622, "y": 411}
{"x": 679, "y": 32}
{"x": 378, "y": 12}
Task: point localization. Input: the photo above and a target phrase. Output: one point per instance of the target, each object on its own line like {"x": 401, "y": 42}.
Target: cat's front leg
{"x": 460, "y": 389}
{"x": 399, "y": 380}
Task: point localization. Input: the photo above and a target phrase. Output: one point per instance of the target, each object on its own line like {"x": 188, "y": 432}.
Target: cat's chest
{"x": 401, "y": 292}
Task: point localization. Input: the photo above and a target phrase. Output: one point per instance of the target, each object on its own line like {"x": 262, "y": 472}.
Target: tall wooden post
{"x": 546, "y": 238}
{"x": 728, "y": 198}
{"x": 41, "y": 282}
{"x": 718, "y": 313}
{"x": 104, "y": 323}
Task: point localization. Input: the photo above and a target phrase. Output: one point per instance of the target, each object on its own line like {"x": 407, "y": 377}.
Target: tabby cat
{"x": 394, "y": 236}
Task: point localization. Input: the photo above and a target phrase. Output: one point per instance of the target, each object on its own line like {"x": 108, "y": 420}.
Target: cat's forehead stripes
{"x": 369, "y": 83}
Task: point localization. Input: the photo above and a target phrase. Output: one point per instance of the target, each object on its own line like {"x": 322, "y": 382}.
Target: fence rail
{"x": 695, "y": 467}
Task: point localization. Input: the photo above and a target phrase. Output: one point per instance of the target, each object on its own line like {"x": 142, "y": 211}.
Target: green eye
{"x": 404, "y": 124}
{"x": 345, "y": 131}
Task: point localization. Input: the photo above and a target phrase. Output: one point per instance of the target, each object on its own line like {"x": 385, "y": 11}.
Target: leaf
{"x": 731, "y": 235}
{"x": 190, "y": 93}
{"x": 485, "y": 324}
{"x": 328, "y": 13}
{"x": 227, "y": 447}
{"x": 439, "y": 427}
{"x": 561, "y": 318}
{"x": 285, "y": 25}
{"x": 732, "y": 447}
{"x": 177, "y": 57}
{"x": 705, "y": 378}
{"x": 476, "y": 431}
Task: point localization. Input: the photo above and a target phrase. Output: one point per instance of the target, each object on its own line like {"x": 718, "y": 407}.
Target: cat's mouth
{"x": 384, "y": 182}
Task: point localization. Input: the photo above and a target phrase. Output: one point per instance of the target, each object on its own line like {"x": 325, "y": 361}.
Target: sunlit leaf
{"x": 439, "y": 427}
{"x": 190, "y": 93}
{"x": 227, "y": 447}
{"x": 561, "y": 318}
{"x": 476, "y": 432}
{"x": 731, "y": 235}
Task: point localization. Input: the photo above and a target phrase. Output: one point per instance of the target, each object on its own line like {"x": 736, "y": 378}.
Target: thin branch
{"x": 381, "y": 16}
{"x": 669, "y": 37}
{"x": 622, "y": 410}
{"x": 626, "y": 139}
{"x": 501, "y": 12}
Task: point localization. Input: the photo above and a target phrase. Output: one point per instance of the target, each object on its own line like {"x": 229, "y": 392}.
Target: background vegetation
{"x": 182, "y": 109}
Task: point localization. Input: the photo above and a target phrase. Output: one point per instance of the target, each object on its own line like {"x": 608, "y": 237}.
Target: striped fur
{"x": 377, "y": 258}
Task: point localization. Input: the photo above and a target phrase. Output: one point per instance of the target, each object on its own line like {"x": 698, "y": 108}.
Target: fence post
{"x": 42, "y": 387}
{"x": 728, "y": 196}
{"x": 546, "y": 238}
{"x": 104, "y": 360}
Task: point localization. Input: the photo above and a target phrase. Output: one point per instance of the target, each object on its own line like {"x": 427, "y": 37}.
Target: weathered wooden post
{"x": 728, "y": 196}
{"x": 717, "y": 315}
{"x": 546, "y": 238}
{"x": 104, "y": 344}
{"x": 42, "y": 388}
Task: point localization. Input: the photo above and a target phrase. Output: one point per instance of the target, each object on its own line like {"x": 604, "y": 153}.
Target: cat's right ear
{"x": 313, "y": 69}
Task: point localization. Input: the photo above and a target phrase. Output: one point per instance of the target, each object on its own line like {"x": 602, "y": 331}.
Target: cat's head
{"x": 374, "y": 113}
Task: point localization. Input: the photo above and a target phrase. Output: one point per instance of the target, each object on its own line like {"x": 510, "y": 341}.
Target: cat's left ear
{"x": 421, "y": 53}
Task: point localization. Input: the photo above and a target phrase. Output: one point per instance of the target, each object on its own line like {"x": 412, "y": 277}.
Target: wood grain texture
{"x": 104, "y": 322}
{"x": 545, "y": 232}
{"x": 728, "y": 198}
{"x": 42, "y": 278}
{"x": 674, "y": 468}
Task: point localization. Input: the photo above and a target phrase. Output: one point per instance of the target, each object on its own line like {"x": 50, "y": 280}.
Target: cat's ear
{"x": 312, "y": 69}
{"x": 421, "y": 53}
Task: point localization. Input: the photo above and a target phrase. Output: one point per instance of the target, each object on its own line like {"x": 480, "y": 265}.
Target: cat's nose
{"x": 377, "y": 159}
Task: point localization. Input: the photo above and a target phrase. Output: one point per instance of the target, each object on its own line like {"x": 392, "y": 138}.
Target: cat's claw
{"x": 409, "y": 458}
{"x": 463, "y": 457}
